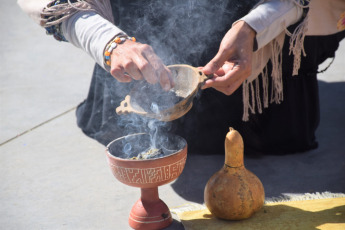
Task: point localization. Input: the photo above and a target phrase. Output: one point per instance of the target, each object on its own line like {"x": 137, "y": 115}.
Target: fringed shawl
{"x": 52, "y": 12}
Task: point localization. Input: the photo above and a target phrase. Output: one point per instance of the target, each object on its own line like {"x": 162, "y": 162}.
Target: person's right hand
{"x": 134, "y": 60}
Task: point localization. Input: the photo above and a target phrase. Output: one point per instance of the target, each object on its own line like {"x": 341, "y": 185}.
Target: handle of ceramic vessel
{"x": 204, "y": 77}
{"x": 125, "y": 106}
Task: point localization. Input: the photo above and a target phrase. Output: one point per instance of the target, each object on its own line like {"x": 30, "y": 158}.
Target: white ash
{"x": 149, "y": 154}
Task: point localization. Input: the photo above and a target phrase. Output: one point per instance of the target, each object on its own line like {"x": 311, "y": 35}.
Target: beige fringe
{"x": 277, "y": 74}
{"x": 296, "y": 44}
{"x": 50, "y": 13}
{"x": 252, "y": 96}
{"x": 264, "y": 75}
{"x": 276, "y": 95}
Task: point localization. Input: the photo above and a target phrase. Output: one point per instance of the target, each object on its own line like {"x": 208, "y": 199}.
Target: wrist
{"x": 118, "y": 39}
{"x": 247, "y": 32}
{"x": 270, "y": 19}
{"x": 90, "y": 32}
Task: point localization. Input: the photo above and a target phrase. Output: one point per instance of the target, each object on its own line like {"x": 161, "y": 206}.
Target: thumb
{"x": 215, "y": 64}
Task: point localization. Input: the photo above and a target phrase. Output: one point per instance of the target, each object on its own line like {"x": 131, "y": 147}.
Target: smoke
{"x": 156, "y": 139}
{"x": 180, "y": 32}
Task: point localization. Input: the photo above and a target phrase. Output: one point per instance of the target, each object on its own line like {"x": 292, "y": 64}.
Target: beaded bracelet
{"x": 113, "y": 44}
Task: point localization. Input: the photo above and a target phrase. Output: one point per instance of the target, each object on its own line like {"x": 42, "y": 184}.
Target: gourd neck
{"x": 234, "y": 149}
{"x": 234, "y": 160}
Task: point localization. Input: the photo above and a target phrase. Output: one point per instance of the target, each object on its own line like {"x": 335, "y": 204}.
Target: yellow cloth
{"x": 291, "y": 215}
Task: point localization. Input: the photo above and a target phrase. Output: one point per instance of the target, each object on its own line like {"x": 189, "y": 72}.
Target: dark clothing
{"x": 290, "y": 126}
{"x": 179, "y": 31}
{"x": 190, "y": 32}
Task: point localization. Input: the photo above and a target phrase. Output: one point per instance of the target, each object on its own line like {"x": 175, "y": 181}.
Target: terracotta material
{"x": 188, "y": 80}
{"x": 149, "y": 212}
{"x": 234, "y": 193}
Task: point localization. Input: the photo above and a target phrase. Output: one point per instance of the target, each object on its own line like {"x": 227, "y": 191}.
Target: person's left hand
{"x": 233, "y": 62}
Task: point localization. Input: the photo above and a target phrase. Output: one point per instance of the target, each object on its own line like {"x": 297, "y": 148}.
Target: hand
{"x": 233, "y": 62}
{"x": 133, "y": 60}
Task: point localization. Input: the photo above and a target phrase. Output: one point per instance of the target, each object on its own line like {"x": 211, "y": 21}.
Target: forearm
{"x": 84, "y": 29}
{"x": 270, "y": 18}
{"x": 90, "y": 32}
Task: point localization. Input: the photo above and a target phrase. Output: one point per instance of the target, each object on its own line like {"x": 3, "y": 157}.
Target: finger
{"x": 133, "y": 70}
{"x": 119, "y": 74}
{"x": 145, "y": 68}
{"x": 219, "y": 73}
{"x": 170, "y": 77}
{"x": 216, "y": 63}
{"x": 226, "y": 80}
{"x": 151, "y": 71}
{"x": 162, "y": 73}
{"x": 126, "y": 57}
{"x": 229, "y": 89}
{"x": 165, "y": 79}
{"x": 233, "y": 71}
{"x": 229, "y": 66}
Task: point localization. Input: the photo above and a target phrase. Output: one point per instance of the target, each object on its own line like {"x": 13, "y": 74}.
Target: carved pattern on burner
{"x": 148, "y": 175}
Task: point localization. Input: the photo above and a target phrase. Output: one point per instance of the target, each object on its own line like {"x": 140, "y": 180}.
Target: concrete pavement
{"x": 54, "y": 177}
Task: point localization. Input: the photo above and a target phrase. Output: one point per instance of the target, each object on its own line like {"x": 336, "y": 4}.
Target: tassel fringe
{"x": 51, "y": 14}
{"x": 276, "y": 95}
{"x": 252, "y": 97}
{"x": 277, "y": 74}
{"x": 296, "y": 44}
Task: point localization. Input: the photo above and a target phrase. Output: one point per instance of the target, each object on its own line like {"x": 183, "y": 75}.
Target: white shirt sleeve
{"x": 271, "y": 18}
{"x": 90, "y": 32}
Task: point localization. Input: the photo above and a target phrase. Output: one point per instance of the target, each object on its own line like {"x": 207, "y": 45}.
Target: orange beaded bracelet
{"x": 113, "y": 44}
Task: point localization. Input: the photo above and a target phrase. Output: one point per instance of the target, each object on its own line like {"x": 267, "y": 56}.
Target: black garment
{"x": 173, "y": 29}
{"x": 180, "y": 31}
{"x": 290, "y": 126}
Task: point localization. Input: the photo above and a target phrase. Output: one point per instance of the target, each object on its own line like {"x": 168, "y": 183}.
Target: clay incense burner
{"x": 149, "y": 212}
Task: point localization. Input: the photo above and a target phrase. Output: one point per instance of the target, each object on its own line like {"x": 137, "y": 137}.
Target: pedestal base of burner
{"x": 149, "y": 212}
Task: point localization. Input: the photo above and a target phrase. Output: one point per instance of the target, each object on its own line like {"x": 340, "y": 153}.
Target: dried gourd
{"x": 234, "y": 193}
